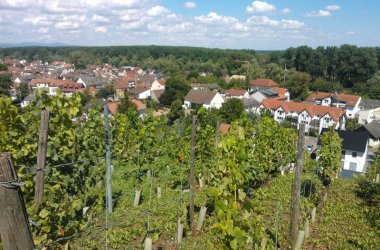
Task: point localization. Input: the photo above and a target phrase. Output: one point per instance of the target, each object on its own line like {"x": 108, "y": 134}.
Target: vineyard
{"x": 242, "y": 190}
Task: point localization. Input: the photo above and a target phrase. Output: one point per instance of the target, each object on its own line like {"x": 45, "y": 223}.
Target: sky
{"x": 226, "y": 24}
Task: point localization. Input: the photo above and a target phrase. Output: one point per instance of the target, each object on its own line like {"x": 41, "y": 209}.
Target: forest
{"x": 346, "y": 68}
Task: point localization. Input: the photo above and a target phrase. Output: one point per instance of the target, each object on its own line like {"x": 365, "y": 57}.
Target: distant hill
{"x": 31, "y": 44}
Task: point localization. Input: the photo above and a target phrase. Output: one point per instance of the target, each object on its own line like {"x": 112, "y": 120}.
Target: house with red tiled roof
{"x": 66, "y": 86}
{"x": 313, "y": 116}
{"x": 139, "y": 92}
{"x": 341, "y": 100}
{"x": 140, "y": 107}
{"x": 237, "y": 93}
{"x": 260, "y": 83}
{"x": 158, "y": 84}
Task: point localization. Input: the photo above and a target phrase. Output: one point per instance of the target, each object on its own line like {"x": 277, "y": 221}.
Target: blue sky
{"x": 235, "y": 24}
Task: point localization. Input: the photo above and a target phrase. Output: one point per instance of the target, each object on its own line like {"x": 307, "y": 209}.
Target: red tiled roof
{"x": 236, "y": 92}
{"x": 351, "y": 100}
{"x": 162, "y": 82}
{"x": 121, "y": 84}
{"x": 139, "y": 105}
{"x": 281, "y": 93}
{"x": 137, "y": 90}
{"x": 264, "y": 82}
{"x": 298, "y": 107}
{"x": 65, "y": 85}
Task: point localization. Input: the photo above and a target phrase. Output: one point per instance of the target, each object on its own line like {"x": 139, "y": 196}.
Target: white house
{"x": 369, "y": 111}
{"x": 313, "y": 116}
{"x": 354, "y": 152}
{"x": 237, "y": 93}
{"x": 206, "y": 98}
{"x": 340, "y": 100}
{"x": 158, "y": 84}
{"x": 139, "y": 93}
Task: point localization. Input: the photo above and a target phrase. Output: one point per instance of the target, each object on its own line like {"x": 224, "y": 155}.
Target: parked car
{"x": 309, "y": 147}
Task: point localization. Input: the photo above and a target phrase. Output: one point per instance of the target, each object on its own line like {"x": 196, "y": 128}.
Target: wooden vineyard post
{"x": 41, "y": 157}
{"x": 191, "y": 174}
{"x": 296, "y": 192}
{"x": 14, "y": 225}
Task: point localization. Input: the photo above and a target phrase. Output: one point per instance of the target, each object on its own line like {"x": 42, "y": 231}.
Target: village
{"x": 319, "y": 112}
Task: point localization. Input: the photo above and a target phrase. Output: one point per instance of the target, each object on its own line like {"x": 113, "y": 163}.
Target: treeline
{"x": 347, "y": 64}
{"x": 346, "y": 68}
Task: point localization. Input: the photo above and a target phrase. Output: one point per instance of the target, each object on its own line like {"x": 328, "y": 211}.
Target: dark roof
{"x": 250, "y": 102}
{"x": 369, "y": 104}
{"x": 373, "y": 129}
{"x": 137, "y": 90}
{"x": 199, "y": 96}
{"x": 354, "y": 141}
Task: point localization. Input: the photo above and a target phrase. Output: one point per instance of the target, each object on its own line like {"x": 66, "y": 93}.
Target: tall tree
{"x": 232, "y": 110}
{"x": 5, "y": 84}
{"x": 330, "y": 155}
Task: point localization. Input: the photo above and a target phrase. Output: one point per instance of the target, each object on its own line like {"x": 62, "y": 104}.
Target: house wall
{"x": 359, "y": 160}
{"x": 374, "y": 143}
{"x": 156, "y": 86}
{"x": 369, "y": 115}
{"x": 326, "y": 101}
{"x": 305, "y": 118}
{"x": 216, "y": 102}
{"x": 144, "y": 95}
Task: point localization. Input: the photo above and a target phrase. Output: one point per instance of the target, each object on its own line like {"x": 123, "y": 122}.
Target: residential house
{"x": 314, "y": 117}
{"x": 120, "y": 86}
{"x": 206, "y": 98}
{"x": 156, "y": 94}
{"x": 270, "y": 93}
{"x": 262, "y": 83}
{"x": 373, "y": 130}
{"x": 354, "y": 152}
{"x": 158, "y": 85}
{"x": 205, "y": 86}
{"x": 369, "y": 111}
{"x": 237, "y": 93}
{"x": 340, "y": 100}
{"x": 140, "y": 107}
{"x": 66, "y": 86}
{"x": 250, "y": 104}
{"x": 27, "y": 100}
{"x": 139, "y": 93}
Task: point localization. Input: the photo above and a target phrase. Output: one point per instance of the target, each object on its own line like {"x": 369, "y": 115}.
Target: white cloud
{"x": 260, "y": 7}
{"x": 102, "y": 29}
{"x": 285, "y": 11}
{"x": 281, "y": 24}
{"x": 333, "y": 7}
{"x": 66, "y": 25}
{"x": 291, "y": 24}
{"x": 351, "y": 33}
{"x": 100, "y": 19}
{"x": 43, "y": 30}
{"x": 213, "y": 18}
{"x": 190, "y": 5}
{"x": 157, "y": 11}
{"x": 37, "y": 20}
{"x": 319, "y": 13}
{"x": 16, "y": 4}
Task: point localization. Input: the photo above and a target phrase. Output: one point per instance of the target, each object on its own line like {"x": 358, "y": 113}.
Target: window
{"x": 353, "y": 166}
{"x": 326, "y": 101}
{"x": 354, "y": 154}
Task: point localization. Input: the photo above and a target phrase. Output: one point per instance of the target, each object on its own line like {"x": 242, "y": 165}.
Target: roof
{"x": 354, "y": 141}
{"x": 313, "y": 110}
{"x": 158, "y": 93}
{"x": 139, "y": 105}
{"x": 113, "y": 106}
{"x": 269, "y": 92}
{"x": 373, "y": 129}
{"x": 236, "y": 92}
{"x": 250, "y": 102}
{"x": 350, "y": 100}
{"x": 137, "y": 90}
{"x": 264, "y": 82}
{"x": 281, "y": 92}
{"x": 369, "y": 103}
{"x": 200, "y": 96}
{"x": 205, "y": 85}
{"x": 224, "y": 127}
{"x": 121, "y": 84}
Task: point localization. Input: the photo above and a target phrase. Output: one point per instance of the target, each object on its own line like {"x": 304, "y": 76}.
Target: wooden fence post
{"x": 14, "y": 224}
{"x": 41, "y": 157}
{"x": 191, "y": 174}
{"x": 296, "y": 192}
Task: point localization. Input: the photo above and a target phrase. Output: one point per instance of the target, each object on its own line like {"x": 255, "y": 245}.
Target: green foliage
{"x": 175, "y": 89}
{"x": 232, "y": 110}
{"x": 176, "y": 111}
{"x": 107, "y": 91}
{"x": 3, "y": 67}
{"x": 353, "y": 124}
{"x": 126, "y": 104}
{"x": 23, "y": 90}
{"x": 344, "y": 221}
{"x": 5, "y": 84}
{"x": 330, "y": 156}
{"x": 298, "y": 85}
